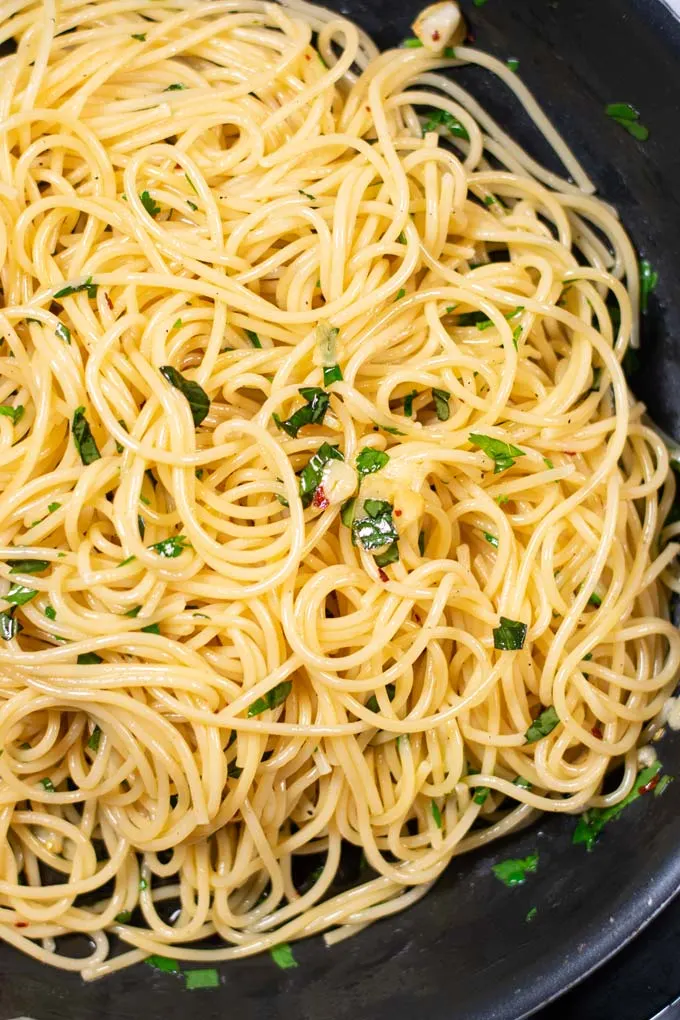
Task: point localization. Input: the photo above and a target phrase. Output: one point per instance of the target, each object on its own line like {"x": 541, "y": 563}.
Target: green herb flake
{"x": 391, "y": 555}
{"x": 390, "y": 429}
{"x": 411, "y": 44}
{"x": 63, "y": 332}
{"x": 595, "y": 599}
{"x": 648, "y": 281}
{"x": 372, "y": 703}
{"x": 19, "y": 595}
{"x": 523, "y": 783}
{"x": 331, "y": 374}
{"x": 9, "y": 625}
{"x": 376, "y": 528}
{"x": 272, "y": 699}
{"x": 149, "y": 204}
{"x": 171, "y": 547}
{"x": 400, "y": 294}
{"x": 47, "y": 785}
{"x": 369, "y": 461}
{"x": 503, "y": 454}
{"x": 442, "y": 118}
{"x": 163, "y": 963}
{"x": 89, "y": 659}
{"x": 441, "y": 404}
{"x": 282, "y": 955}
{"x": 95, "y": 737}
{"x": 512, "y": 63}
{"x": 175, "y": 87}
{"x": 191, "y": 183}
{"x": 627, "y": 117}
{"x": 421, "y": 543}
{"x": 208, "y": 978}
{"x": 52, "y": 507}
{"x": 311, "y": 474}
{"x": 192, "y": 205}
{"x": 76, "y": 288}
{"x": 491, "y": 539}
{"x": 50, "y": 613}
{"x": 124, "y": 563}
{"x": 592, "y": 821}
{"x": 254, "y": 338}
{"x": 531, "y": 914}
{"x": 542, "y": 725}
{"x": 436, "y": 814}
{"x": 480, "y": 794}
{"x": 306, "y": 194}
{"x": 514, "y": 871}
{"x": 198, "y": 399}
{"x": 478, "y": 3}
{"x": 311, "y": 413}
{"x": 347, "y": 512}
{"x": 29, "y": 566}
{"x": 408, "y": 403}
{"x": 139, "y": 36}
{"x": 83, "y": 439}
{"x": 15, "y": 413}
{"x": 177, "y": 323}
{"x": 151, "y": 628}
{"x": 509, "y": 635}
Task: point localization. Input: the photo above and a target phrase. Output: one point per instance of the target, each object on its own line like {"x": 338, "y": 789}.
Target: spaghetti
{"x": 326, "y": 512}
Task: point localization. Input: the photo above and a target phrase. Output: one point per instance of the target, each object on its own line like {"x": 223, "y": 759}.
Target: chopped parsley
{"x": 83, "y": 439}
{"x": 63, "y": 332}
{"x": 376, "y": 528}
{"x": 163, "y": 963}
{"x": 481, "y": 793}
{"x": 369, "y": 460}
{"x": 436, "y": 814}
{"x": 311, "y": 474}
{"x": 331, "y": 374}
{"x": 52, "y": 507}
{"x": 15, "y": 413}
{"x": 312, "y": 198}
{"x": 509, "y": 635}
{"x": 123, "y": 917}
{"x": 151, "y": 628}
{"x": 592, "y": 821}
{"x": 542, "y": 725}
{"x": 531, "y": 914}
{"x": 175, "y": 87}
{"x": 514, "y": 871}
{"x": 595, "y": 599}
{"x": 207, "y": 978}
{"x": 629, "y": 118}
{"x": 503, "y": 454}
{"x": 272, "y": 699}
{"x": 95, "y": 737}
{"x": 171, "y": 547}
{"x": 400, "y": 294}
{"x": 282, "y": 955}
{"x": 411, "y": 44}
{"x": 491, "y": 539}
{"x": 372, "y": 703}
{"x": 408, "y": 403}
{"x": 29, "y": 566}
{"x": 390, "y": 429}
{"x": 512, "y": 63}
{"x": 523, "y": 783}
{"x": 254, "y": 338}
{"x": 9, "y": 625}
{"x": 19, "y": 595}
{"x": 76, "y": 288}
{"x": 441, "y": 403}
{"x": 347, "y": 512}
{"x": 50, "y": 613}
{"x": 139, "y": 36}
{"x": 391, "y": 555}
{"x": 47, "y": 784}
{"x": 311, "y": 413}
{"x": 421, "y": 543}
{"x": 199, "y": 401}
{"x": 89, "y": 659}
{"x": 648, "y": 281}
{"x": 192, "y": 205}
{"x": 442, "y": 118}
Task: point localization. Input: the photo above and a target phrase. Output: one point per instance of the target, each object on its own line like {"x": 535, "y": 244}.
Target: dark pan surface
{"x": 465, "y": 952}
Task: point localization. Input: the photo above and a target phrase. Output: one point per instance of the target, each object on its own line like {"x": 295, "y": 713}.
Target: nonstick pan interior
{"x": 466, "y": 952}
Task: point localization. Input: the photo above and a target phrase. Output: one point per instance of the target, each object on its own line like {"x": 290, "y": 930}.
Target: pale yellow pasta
{"x": 202, "y": 677}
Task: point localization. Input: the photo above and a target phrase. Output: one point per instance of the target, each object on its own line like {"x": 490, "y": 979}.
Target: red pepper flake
{"x": 416, "y": 617}
{"x": 570, "y": 453}
{"x": 653, "y": 782}
{"x": 382, "y": 575}
{"x": 470, "y": 37}
{"x": 21, "y": 924}
{"x": 435, "y": 36}
{"x": 597, "y": 732}
{"x": 307, "y": 56}
{"x": 108, "y": 300}
{"x": 320, "y": 499}
{"x": 398, "y": 513}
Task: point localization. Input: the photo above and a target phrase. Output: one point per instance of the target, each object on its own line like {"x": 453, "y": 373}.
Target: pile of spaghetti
{"x": 326, "y": 515}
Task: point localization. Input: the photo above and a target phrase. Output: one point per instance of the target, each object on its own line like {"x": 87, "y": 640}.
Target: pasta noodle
{"x": 326, "y": 512}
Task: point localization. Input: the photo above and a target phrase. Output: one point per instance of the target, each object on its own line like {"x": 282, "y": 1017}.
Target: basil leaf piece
{"x": 149, "y": 204}
{"x": 19, "y": 595}
{"x": 372, "y": 703}
{"x": 514, "y": 871}
{"x": 442, "y": 118}
{"x": 272, "y": 699}
{"x": 206, "y": 978}
{"x": 83, "y": 439}
{"x": 199, "y": 401}
{"x": 331, "y": 374}
{"x": 171, "y": 547}
{"x": 282, "y": 955}
{"x": 15, "y": 413}
{"x": 311, "y": 474}
{"x": 311, "y": 413}
{"x": 542, "y": 725}
{"x": 369, "y": 461}
{"x": 441, "y": 403}
{"x": 503, "y": 454}
{"x": 509, "y": 635}
{"x": 648, "y": 281}
{"x": 29, "y": 566}
{"x": 89, "y": 659}
{"x": 391, "y": 555}
{"x": 592, "y": 821}
{"x": 76, "y": 288}
{"x": 9, "y": 625}
{"x": 376, "y": 528}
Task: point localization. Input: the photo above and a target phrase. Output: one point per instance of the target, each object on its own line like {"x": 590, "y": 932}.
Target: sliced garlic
{"x": 338, "y": 481}
{"x": 439, "y": 25}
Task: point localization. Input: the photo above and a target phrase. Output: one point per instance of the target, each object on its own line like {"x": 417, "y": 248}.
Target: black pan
{"x": 465, "y": 952}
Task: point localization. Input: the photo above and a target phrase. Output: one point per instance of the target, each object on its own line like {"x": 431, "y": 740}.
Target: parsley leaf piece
{"x": 52, "y": 507}
{"x": 175, "y": 87}
{"x": 542, "y": 725}
{"x": 592, "y": 821}
{"x": 509, "y": 635}
{"x": 311, "y": 474}
{"x": 9, "y": 625}
{"x": 29, "y": 566}
{"x": 372, "y": 703}
{"x": 307, "y": 195}
{"x": 391, "y": 555}
{"x": 411, "y": 44}
{"x": 376, "y": 528}
{"x": 47, "y": 784}
{"x": 514, "y": 871}
{"x": 503, "y": 454}
{"x": 648, "y": 281}
{"x": 89, "y": 659}
{"x": 400, "y": 294}
{"x": 331, "y": 374}
{"x": 369, "y": 460}
{"x": 152, "y": 628}
{"x": 491, "y": 539}
{"x": 389, "y": 428}
{"x": 82, "y": 437}
{"x": 441, "y": 404}
{"x": 408, "y": 403}
{"x": 15, "y": 413}
{"x": 95, "y": 737}
{"x": 192, "y": 205}
{"x": 311, "y": 413}
{"x": 595, "y": 599}
{"x": 254, "y": 338}
{"x": 512, "y": 63}
{"x": 480, "y": 794}
{"x": 272, "y": 699}
{"x": 163, "y": 963}
{"x": 139, "y": 36}
{"x": 282, "y": 955}
{"x": 347, "y": 512}
{"x": 442, "y": 118}
{"x": 63, "y": 332}
{"x": 531, "y": 914}
{"x": 123, "y": 917}
{"x": 199, "y": 401}
{"x": 436, "y": 814}
{"x": 523, "y": 783}
{"x": 421, "y": 543}
{"x": 19, "y": 595}
{"x": 50, "y": 612}
{"x": 626, "y": 116}
{"x": 171, "y": 547}
{"x": 76, "y": 288}
{"x": 149, "y": 204}
{"x": 206, "y": 978}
